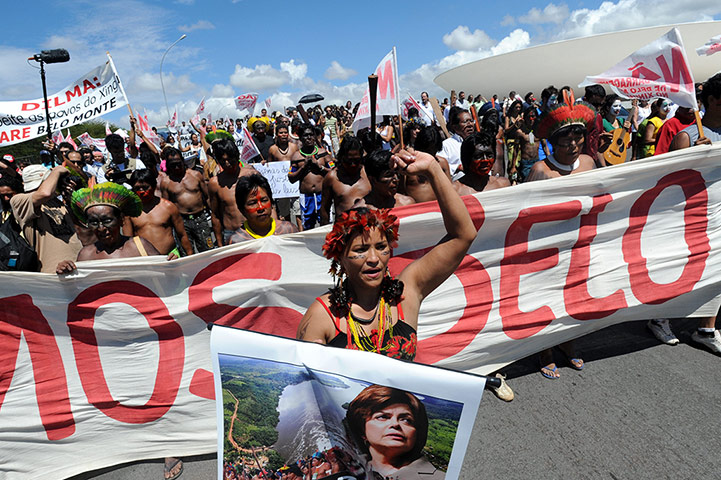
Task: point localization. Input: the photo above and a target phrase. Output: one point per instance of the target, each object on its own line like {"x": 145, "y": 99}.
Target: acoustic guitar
{"x": 618, "y": 151}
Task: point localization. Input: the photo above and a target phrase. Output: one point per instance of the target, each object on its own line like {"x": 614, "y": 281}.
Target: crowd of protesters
{"x": 187, "y": 190}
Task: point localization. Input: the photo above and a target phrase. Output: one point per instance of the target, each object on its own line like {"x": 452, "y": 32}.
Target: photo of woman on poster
{"x": 390, "y": 426}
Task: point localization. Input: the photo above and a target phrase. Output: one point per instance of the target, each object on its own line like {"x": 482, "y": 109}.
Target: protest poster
{"x": 284, "y": 403}
{"x": 711, "y": 47}
{"x": 112, "y": 364}
{"x": 407, "y": 103}
{"x": 249, "y": 150}
{"x": 94, "y": 94}
{"x": 246, "y": 101}
{"x": 277, "y": 175}
{"x": 659, "y": 69}
{"x": 387, "y": 96}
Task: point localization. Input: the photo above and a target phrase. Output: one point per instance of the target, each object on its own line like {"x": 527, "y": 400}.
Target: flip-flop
{"x": 168, "y": 470}
{"x": 548, "y": 375}
{"x": 576, "y": 363}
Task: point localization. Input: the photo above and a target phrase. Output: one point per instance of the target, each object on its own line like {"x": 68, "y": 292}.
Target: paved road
{"x": 638, "y": 410}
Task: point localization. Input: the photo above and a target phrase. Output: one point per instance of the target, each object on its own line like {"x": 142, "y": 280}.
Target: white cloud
{"x": 296, "y": 72}
{"x": 462, "y": 39}
{"x": 174, "y": 85}
{"x": 265, "y": 77}
{"x": 262, "y": 77}
{"x": 629, "y": 14}
{"x": 551, "y": 13}
{"x": 508, "y": 21}
{"x": 336, "y": 71}
{"x": 220, "y": 90}
{"x": 199, "y": 25}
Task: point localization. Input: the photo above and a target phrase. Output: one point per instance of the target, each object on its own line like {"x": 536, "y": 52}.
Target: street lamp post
{"x": 161, "y": 73}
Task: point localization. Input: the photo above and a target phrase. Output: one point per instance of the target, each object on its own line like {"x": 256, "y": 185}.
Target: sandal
{"x": 549, "y": 372}
{"x": 576, "y": 363}
{"x": 168, "y": 469}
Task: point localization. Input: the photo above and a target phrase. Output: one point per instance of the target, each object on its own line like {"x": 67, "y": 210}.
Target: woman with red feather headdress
{"x": 368, "y": 309}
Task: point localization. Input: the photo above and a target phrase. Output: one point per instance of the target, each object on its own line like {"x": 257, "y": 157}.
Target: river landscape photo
{"x": 278, "y": 414}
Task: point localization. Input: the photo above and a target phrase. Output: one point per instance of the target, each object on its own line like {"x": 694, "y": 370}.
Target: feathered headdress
{"x": 217, "y": 135}
{"x": 108, "y": 193}
{"x": 563, "y": 115}
{"x": 354, "y": 222}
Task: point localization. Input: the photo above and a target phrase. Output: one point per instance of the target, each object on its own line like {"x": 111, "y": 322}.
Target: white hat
{"x": 33, "y": 176}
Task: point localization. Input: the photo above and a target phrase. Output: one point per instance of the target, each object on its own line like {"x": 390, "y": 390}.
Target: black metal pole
{"x": 45, "y": 98}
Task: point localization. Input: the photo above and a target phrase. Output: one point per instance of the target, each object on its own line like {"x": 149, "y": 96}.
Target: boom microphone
{"x": 58, "y": 55}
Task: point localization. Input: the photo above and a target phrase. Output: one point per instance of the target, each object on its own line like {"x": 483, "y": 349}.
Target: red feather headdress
{"x": 563, "y": 115}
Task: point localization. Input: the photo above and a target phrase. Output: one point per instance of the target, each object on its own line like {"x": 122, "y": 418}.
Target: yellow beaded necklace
{"x": 247, "y": 228}
{"x": 360, "y": 338}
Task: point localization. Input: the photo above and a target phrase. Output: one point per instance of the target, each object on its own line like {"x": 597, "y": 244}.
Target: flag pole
{"x": 699, "y": 125}
{"x": 398, "y": 95}
{"x": 120, "y": 84}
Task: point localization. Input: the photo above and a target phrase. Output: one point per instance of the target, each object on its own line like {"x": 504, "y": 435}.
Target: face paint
{"x": 259, "y": 204}
{"x": 616, "y": 108}
{"x": 666, "y": 106}
{"x": 552, "y": 101}
{"x": 145, "y": 194}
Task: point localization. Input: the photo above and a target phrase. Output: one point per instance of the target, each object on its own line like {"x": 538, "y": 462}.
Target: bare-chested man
{"x": 309, "y": 165}
{"x": 221, "y": 188}
{"x": 529, "y": 143}
{"x": 160, "y": 217}
{"x": 384, "y": 178}
{"x": 282, "y": 149}
{"x": 255, "y": 201}
{"x": 419, "y": 187}
{"x": 347, "y": 184}
{"x": 187, "y": 189}
{"x": 478, "y": 154}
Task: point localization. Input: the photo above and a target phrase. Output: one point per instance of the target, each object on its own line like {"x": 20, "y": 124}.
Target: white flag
{"x": 246, "y": 101}
{"x": 660, "y": 69}
{"x": 386, "y": 97}
{"x": 201, "y": 107}
{"x": 250, "y": 150}
{"x": 711, "y": 47}
{"x": 267, "y": 103}
{"x": 173, "y": 119}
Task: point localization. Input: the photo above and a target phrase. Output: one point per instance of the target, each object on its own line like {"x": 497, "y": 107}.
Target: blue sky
{"x": 285, "y": 49}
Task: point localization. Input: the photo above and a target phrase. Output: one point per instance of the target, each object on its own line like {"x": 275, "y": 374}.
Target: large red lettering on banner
{"x": 386, "y": 81}
{"x": 695, "y": 225}
{"x": 476, "y": 288}
{"x": 280, "y": 321}
{"x": 518, "y": 261}
{"x": 171, "y": 343}
{"x": 21, "y": 317}
{"x": 579, "y": 303}
{"x": 678, "y": 74}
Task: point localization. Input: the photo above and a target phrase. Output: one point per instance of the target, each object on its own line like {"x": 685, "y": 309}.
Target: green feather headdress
{"x": 217, "y": 135}
{"x": 108, "y": 193}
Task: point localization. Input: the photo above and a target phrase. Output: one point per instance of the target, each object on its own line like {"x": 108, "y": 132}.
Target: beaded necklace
{"x": 315, "y": 150}
{"x": 360, "y": 338}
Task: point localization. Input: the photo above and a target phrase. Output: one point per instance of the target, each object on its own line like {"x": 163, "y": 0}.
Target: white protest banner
{"x": 94, "y": 94}
{"x": 173, "y": 119}
{"x": 660, "y": 69}
{"x": 291, "y": 399}
{"x": 386, "y": 97}
{"x": 99, "y": 143}
{"x": 201, "y": 107}
{"x": 249, "y": 150}
{"x": 246, "y": 101}
{"x": 711, "y": 47}
{"x": 112, "y": 364}
{"x": 277, "y": 175}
